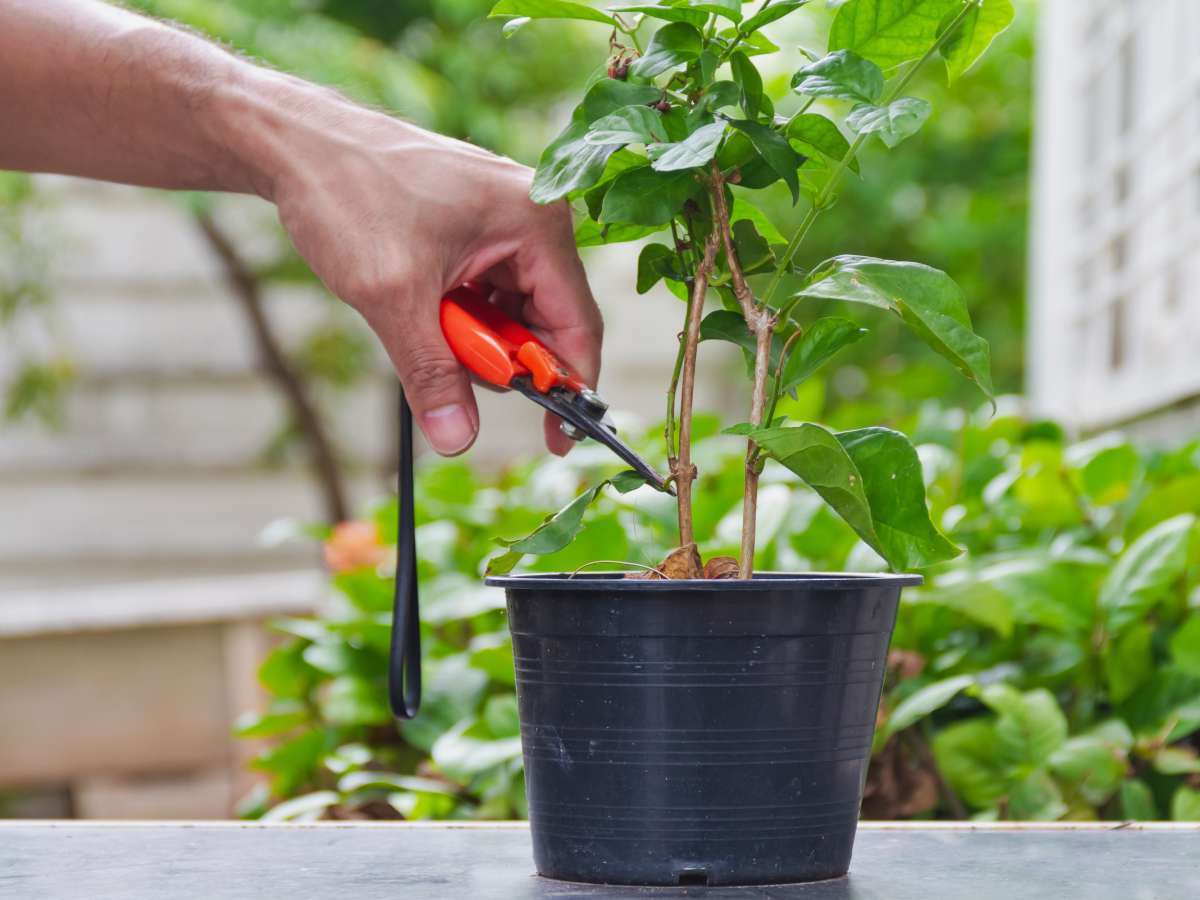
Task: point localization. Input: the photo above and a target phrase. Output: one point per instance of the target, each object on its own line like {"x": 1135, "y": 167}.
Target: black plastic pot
{"x": 698, "y": 732}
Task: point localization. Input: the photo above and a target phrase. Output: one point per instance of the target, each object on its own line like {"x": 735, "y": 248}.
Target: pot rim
{"x": 762, "y": 581}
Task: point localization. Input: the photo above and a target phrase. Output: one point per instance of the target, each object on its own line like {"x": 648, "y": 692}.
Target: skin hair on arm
{"x": 388, "y": 215}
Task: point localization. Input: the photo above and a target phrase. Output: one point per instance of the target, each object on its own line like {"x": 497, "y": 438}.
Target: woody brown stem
{"x": 290, "y": 383}
{"x": 761, "y": 323}
{"x": 682, "y": 469}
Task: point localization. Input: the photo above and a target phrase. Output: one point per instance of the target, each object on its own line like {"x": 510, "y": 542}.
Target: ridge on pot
{"x": 698, "y": 732}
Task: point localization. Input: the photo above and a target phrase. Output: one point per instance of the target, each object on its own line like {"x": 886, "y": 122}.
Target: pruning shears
{"x": 504, "y": 354}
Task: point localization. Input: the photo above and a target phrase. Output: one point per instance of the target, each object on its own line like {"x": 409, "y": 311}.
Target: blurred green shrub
{"x": 1053, "y": 672}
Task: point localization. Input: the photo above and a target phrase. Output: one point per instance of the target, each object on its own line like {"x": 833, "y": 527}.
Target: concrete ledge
{"x": 158, "y": 603}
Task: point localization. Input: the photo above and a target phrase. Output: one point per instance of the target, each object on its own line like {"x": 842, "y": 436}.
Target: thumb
{"x": 435, "y": 384}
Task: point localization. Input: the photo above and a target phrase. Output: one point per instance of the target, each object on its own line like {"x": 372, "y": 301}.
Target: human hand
{"x": 391, "y": 217}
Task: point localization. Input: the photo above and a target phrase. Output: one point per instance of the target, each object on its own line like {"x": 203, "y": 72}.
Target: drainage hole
{"x": 692, "y": 878}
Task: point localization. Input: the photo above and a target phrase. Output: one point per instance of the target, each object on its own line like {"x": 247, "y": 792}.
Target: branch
{"x": 246, "y": 288}
{"x": 741, "y": 290}
{"x": 683, "y": 471}
{"x": 761, "y": 323}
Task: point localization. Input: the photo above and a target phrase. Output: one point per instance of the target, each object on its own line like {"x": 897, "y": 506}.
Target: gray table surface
{"x": 398, "y": 861}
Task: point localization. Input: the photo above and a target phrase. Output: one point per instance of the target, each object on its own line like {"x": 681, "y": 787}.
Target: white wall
{"x": 1115, "y": 303}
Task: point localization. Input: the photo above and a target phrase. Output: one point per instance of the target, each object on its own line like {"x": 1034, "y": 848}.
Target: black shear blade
{"x": 589, "y": 425}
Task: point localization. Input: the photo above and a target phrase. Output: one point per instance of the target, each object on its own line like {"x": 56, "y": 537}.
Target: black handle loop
{"x": 404, "y": 664}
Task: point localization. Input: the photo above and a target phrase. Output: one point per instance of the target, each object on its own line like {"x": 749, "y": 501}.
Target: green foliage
{"x": 1033, "y": 700}
{"x": 926, "y": 299}
{"x": 702, "y": 133}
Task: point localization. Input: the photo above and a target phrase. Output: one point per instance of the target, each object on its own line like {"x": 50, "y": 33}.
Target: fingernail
{"x": 449, "y": 429}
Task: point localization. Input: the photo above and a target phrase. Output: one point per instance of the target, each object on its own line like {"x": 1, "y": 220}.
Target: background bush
{"x": 1053, "y": 672}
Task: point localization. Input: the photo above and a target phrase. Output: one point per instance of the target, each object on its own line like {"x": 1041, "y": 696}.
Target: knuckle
{"x": 430, "y": 370}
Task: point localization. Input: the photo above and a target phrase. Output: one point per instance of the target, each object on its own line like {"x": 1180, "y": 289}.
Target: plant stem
{"x": 689, "y": 279}
{"x": 761, "y": 324}
{"x": 762, "y": 356}
{"x": 683, "y": 471}
{"x": 822, "y": 199}
{"x": 737, "y": 40}
{"x": 248, "y": 290}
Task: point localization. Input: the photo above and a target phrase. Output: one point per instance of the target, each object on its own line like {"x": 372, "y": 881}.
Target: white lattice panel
{"x": 1115, "y": 317}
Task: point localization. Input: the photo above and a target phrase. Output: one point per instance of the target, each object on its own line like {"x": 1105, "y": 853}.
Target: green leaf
{"x": 895, "y": 487}
{"x": 493, "y": 654}
{"x": 822, "y": 462}
{"x": 466, "y": 750}
{"x": 1185, "y": 646}
{"x": 350, "y": 700}
{"x": 672, "y": 45}
{"x": 550, "y": 9}
{"x": 966, "y": 757}
{"x": 1176, "y": 761}
{"x": 768, "y": 15}
{"x": 655, "y": 262}
{"x": 1128, "y": 661}
{"x": 629, "y": 480}
{"x": 921, "y": 703}
{"x": 819, "y": 343}
{"x": 719, "y": 95}
{"x": 749, "y": 83}
{"x": 305, "y": 808}
{"x": 1185, "y": 805}
{"x": 927, "y": 299}
{"x": 889, "y": 32}
{"x": 821, "y": 134}
{"x": 255, "y": 725}
{"x": 729, "y": 326}
{"x": 729, "y": 9}
{"x": 871, "y": 478}
{"x": 1029, "y": 726}
{"x": 777, "y": 152}
{"x": 645, "y": 197}
{"x": 1108, "y": 477}
{"x": 557, "y": 530}
{"x": 693, "y": 17}
{"x": 1093, "y": 766}
{"x": 1036, "y": 798}
{"x": 608, "y": 95}
{"x": 500, "y": 716}
{"x": 285, "y": 673}
{"x": 372, "y": 778}
{"x": 570, "y": 163}
{"x": 293, "y": 763}
{"x": 697, "y": 149}
{"x": 744, "y": 210}
{"x": 590, "y": 233}
{"x": 755, "y": 255}
{"x": 976, "y": 33}
{"x": 900, "y": 119}
{"x": 1145, "y": 571}
{"x": 1137, "y": 801}
{"x": 628, "y": 125}
{"x": 1167, "y": 703}
{"x": 842, "y": 75}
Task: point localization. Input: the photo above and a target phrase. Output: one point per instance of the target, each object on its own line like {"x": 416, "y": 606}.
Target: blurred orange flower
{"x": 354, "y": 545}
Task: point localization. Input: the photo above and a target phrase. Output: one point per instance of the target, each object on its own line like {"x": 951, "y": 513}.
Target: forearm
{"x": 93, "y": 90}
{"x": 387, "y": 215}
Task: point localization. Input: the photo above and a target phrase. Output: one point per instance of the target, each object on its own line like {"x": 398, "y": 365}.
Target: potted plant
{"x": 698, "y": 723}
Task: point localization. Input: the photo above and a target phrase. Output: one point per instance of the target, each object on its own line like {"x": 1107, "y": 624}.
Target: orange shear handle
{"x": 497, "y": 349}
